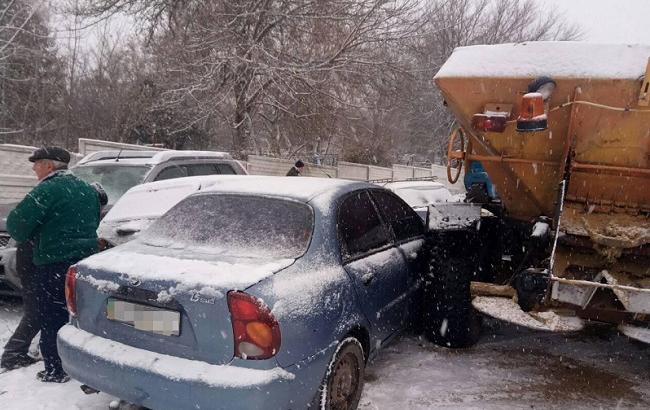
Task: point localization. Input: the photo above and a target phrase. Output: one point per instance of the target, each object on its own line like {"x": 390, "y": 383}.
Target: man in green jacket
{"x": 60, "y": 215}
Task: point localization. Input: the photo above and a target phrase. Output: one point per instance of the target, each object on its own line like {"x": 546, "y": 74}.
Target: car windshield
{"x": 235, "y": 225}
{"x": 115, "y": 179}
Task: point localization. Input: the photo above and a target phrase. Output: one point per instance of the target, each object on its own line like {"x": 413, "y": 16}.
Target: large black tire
{"x": 477, "y": 194}
{"x": 343, "y": 382}
{"x": 449, "y": 319}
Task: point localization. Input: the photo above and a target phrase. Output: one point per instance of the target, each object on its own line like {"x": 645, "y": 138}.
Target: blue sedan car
{"x": 257, "y": 293}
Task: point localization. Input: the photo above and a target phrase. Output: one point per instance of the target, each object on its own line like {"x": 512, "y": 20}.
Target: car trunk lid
{"x": 170, "y": 305}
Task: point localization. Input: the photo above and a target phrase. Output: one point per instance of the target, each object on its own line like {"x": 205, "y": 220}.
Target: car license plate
{"x": 143, "y": 317}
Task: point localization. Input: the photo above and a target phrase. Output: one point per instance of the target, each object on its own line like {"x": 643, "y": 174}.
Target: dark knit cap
{"x": 299, "y": 164}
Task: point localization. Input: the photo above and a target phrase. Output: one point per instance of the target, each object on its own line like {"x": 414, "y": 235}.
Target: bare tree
{"x": 280, "y": 77}
{"x": 254, "y": 60}
{"x": 30, "y": 76}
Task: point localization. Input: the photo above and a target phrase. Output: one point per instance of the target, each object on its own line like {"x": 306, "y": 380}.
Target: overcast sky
{"x": 607, "y": 21}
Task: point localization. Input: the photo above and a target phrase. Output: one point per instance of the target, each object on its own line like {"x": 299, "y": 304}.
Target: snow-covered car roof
{"x": 299, "y": 188}
{"x": 155, "y": 198}
{"x": 121, "y": 162}
{"x": 558, "y": 59}
{"x": 149, "y": 157}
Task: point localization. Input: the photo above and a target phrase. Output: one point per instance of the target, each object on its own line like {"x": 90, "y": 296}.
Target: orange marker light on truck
{"x": 532, "y": 116}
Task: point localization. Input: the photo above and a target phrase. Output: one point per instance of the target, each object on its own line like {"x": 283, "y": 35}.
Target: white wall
{"x": 379, "y": 172}
{"x": 350, "y": 170}
{"x": 17, "y": 178}
{"x": 259, "y": 165}
{"x": 440, "y": 172}
{"x": 422, "y": 172}
{"x": 16, "y": 175}
{"x": 14, "y": 187}
{"x": 402, "y": 172}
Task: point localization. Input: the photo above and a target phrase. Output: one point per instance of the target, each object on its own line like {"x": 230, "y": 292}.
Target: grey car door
{"x": 408, "y": 232}
{"x": 375, "y": 265}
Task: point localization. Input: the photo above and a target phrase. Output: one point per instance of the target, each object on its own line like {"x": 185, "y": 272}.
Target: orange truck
{"x": 563, "y": 131}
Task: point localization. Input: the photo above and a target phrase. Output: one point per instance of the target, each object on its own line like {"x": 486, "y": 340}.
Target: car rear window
{"x": 238, "y": 225}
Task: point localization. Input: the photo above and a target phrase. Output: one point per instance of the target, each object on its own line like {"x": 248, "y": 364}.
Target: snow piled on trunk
{"x": 186, "y": 272}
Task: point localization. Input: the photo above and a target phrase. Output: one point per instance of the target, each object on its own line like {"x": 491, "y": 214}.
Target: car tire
{"x": 343, "y": 383}
{"x": 449, "y": 319}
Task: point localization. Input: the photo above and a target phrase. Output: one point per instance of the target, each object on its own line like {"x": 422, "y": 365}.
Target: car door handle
{"x": 367, "y": 278}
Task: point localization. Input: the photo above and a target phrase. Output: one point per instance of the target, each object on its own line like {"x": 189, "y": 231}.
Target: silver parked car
{"x": 9, "y": 282}
{"x": 141, "y": 205}
{"x": 117, "y": 172}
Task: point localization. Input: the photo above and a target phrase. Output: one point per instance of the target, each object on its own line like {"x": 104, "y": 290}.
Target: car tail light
{"x": 489, "y": 123}
{"x": 70, "y": 291}
{"x": 532, "y": 116}
{"x": 255, "y": 330}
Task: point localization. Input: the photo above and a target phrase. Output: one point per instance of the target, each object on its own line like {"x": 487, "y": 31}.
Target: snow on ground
{"x": 510, "y": 368}
{"x": 19, "y": 389}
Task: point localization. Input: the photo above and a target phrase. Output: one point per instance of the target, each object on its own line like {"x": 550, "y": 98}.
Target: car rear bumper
{"x": 165, "y": 382}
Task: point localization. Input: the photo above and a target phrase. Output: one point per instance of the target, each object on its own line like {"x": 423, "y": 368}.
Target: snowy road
{"x": 508, "y": 369}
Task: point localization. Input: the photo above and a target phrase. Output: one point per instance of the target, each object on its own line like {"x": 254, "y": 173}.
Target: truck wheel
{"x": 477, "y": 194}
{"x": 343, "y": 383}
{"x": 449, "y": 317}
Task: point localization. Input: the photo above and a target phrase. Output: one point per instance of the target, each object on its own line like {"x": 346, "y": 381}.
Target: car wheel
{"x": 449, "y": 318}
{"x": 343, "y": 383}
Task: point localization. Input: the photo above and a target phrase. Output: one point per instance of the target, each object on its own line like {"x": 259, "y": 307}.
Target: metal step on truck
{"x": 562, "y": 236}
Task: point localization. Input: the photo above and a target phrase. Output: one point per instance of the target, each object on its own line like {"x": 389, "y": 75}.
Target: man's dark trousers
{"x": 52, "y": 311}
{"x": 29, "y": 326}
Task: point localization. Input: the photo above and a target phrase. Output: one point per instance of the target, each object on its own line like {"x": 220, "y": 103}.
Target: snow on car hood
{"x": 119, "y": 232}
{"x": 230, "y": 273}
